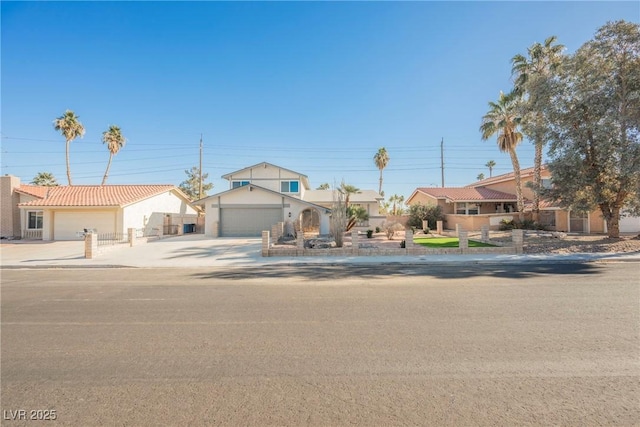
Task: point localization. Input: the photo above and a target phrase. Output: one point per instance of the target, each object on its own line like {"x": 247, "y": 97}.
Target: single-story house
{"x": 491, "y": 200}
{"x": 264, "y": 195}
{"x": 64, "y": 212}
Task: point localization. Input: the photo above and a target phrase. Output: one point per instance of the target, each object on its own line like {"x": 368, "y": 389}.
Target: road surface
{"x": 531, "y": 344}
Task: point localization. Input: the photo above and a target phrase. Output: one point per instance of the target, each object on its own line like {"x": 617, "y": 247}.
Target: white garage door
{"x": 67, "y": 224}
{"x": 244, "y": 222}
{"x": 630, "y": 224}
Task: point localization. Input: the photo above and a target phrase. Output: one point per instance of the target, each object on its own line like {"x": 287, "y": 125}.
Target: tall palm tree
{"x": 381, "y": 159}
{"x": 71, "y": 128}
{"x": 503, "y": 120}
{"x": 490, "y": 164}
{"x": 115, "y": 141}
{"x": 528, "y": 71}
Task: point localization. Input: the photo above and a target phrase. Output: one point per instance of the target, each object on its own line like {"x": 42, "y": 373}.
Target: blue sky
{"x": 316, "y": 87}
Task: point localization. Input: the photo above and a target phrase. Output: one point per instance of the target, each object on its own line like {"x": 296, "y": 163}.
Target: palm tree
{"x": 480, "y": 177}
{"x": 397, "y": 202}
{"x": 324, "y": 186}
{"x": 348, "y": 190}
{"x": 528, "y": 72}
{"x": 115, "y": 141}
{"x": 503, "y": 120}
{"x": 490, "y": 164}
{"x": 45, "y": 179}
{"x": 71, "y": 128}
{"x": 381, "y": 159}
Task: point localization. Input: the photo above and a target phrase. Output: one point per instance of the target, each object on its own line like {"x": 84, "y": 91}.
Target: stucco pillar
{"x": 485, "y": 233}
{"x": 518, "y": 240}
{"x": 131, "y": 234}
{"x": 458, "y": 229}
{"x": 439, "y": 227}
{"x": 408, "y": 238}
{"x": 265, "y": 243}
{"x": 463, "y": 237}
{"x": 355, "y": 244}
{"x": 90, "y": 245}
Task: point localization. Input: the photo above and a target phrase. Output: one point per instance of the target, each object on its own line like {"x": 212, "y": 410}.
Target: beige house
{"x": 264, "y": 194}
{"x": 492, "y": 200}
{"x": 64, "y": 212}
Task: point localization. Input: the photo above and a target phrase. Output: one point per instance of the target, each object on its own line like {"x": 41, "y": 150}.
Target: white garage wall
{"x": 151, "y": 210}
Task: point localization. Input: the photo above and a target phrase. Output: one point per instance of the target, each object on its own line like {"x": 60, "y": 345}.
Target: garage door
{"x": 243, "y": 222}
{"x": 67, "y": 224}
{"x": 630, "y": 224}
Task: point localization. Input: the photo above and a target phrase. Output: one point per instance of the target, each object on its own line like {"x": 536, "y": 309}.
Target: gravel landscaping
{"x": 539, "y": 243}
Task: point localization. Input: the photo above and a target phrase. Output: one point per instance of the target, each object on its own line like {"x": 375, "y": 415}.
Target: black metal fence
{"x": 108, "y": 239}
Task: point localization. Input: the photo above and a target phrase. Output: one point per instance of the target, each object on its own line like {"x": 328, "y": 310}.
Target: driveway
{"x": 195, "y": 250}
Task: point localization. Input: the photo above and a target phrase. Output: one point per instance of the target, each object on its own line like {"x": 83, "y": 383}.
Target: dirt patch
{"x": 543, "y": 243}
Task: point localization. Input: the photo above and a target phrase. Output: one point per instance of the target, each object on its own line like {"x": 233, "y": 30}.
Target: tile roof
{"x": 526, "y": 172}
{"x": 34, "y": 190}
{"x": 458, "y": 194}
{"x": 96, "y": 195}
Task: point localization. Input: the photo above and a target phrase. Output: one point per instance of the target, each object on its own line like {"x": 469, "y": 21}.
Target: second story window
{"x": 236, "y": 184}
{"x": 289, "y": 186}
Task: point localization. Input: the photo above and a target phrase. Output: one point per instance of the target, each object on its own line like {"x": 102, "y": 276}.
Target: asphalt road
{"x": 546, "y": 344}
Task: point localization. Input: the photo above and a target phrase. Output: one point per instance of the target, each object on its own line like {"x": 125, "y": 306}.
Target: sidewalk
{"x": 200, "y": 251}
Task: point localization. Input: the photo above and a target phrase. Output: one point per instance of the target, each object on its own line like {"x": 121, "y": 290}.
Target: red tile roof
{"x": 466, "y": 194}
{"x": 96, "y": 195}
{"x": 526, "y": 172}
{"x": 33, "y": 190}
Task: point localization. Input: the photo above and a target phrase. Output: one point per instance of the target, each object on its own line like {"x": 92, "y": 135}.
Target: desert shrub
{"x": 527, "y": 224}
{"x": 507, "y": 224}
{"x": 390, "y": 229}
{"x": 403, "y": 244}
{"x": 369, "y": 234}
{"x": 378, "y": 229}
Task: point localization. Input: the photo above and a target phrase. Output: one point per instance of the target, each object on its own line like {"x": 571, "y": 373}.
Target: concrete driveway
{"x": 195, "y": 250}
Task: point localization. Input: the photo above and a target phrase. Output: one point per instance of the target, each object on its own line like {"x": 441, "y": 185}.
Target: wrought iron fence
{"x": 108, "y": 239}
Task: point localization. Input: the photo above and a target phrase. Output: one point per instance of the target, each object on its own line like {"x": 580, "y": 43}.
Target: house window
{"x": 464, "y": 208}
{"x": 289, "y": 186}
{"x": 34, "y": 220}
{"x": 236, "y": 184}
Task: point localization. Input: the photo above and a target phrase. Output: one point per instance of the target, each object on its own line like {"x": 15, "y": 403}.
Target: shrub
{"x": 403, "y": 244}
{"x": 527, "y": 224}
{"x": 419, "y": 212}
{"x": 369, "y": 234}
{"x": 390, "y": 229}
{"x": 378, "y": 229}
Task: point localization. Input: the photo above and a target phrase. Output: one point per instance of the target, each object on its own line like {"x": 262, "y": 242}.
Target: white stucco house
{"x": 264, "y": 194}
{"x": 63, "y": 212}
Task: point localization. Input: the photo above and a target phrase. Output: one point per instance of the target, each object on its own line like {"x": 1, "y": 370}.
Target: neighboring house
{"x": 491, "y": 200}
{"x": 64, "y": 212}
{"x": 264, "y": 194}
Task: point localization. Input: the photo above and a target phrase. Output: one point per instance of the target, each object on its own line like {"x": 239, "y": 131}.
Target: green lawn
{"x": 446, "y": 242}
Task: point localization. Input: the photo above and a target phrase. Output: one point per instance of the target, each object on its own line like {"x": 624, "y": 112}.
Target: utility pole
{"x": 200, "y": 173}
{"x": 442, "y": 160}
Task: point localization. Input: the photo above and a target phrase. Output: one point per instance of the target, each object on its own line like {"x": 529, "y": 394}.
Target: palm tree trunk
{"x": 537, "y": 179}
{"x": 106, "y": 173}
{"x": 380, "y": 186}
{"x": 516, "y": 175}
{"x": 68, "y": 165}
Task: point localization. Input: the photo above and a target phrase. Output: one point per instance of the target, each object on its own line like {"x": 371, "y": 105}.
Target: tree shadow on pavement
{"x": 318, "y": 273}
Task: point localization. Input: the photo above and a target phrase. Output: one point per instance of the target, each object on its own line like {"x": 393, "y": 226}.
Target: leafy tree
{"x": 381, "y": 159}
{"x": 503, "y": 119}
{"x": 529, "y": 73}
{"x": 480, "y": 177}
{"x": 191, "y": 186}
{"x": 71, "y": 128}
{"x": 115, "y": 141}
{"x": 419, "y": 212}
{"x": 593, "y": 122}
{"x": 490, "y": 164}
{"x": 45, "y": 179}
{"x": 324, "y": 186}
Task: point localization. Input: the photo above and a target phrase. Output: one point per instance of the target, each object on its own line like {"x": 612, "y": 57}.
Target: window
{"x": 463, "y": 208}
{"x": 34, "y": 220}
{"x": 236, "y": 184}
{"x": 289, "y": 186}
